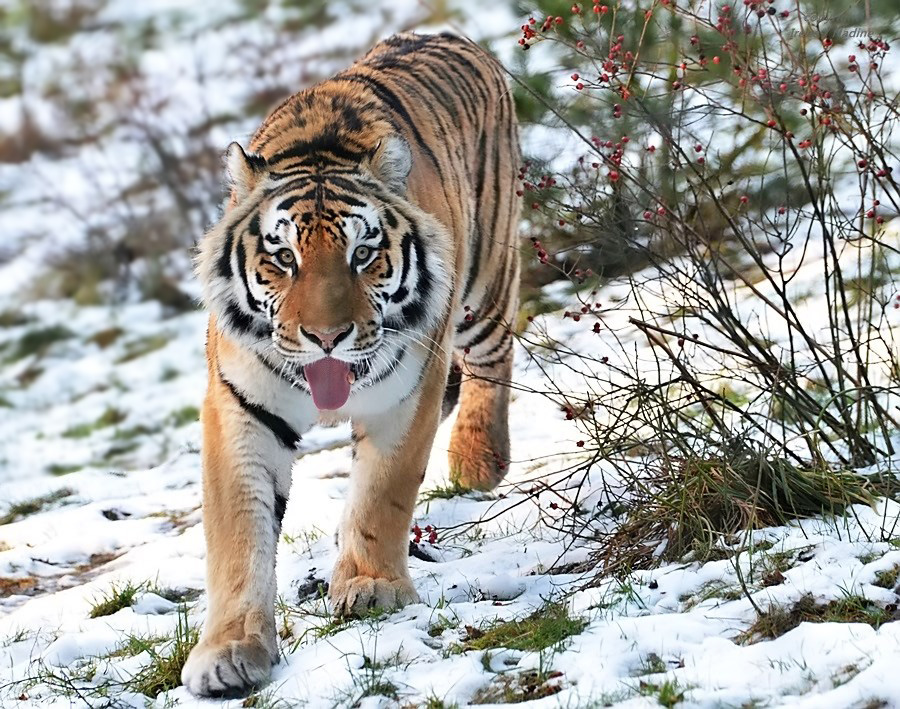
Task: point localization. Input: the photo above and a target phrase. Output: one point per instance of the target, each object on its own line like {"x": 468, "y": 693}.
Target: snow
{"x": 115, "y": 399}
{"x": 145, "y": 526}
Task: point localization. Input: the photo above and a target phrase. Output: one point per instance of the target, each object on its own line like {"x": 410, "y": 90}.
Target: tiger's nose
{"x": 327, "y": 338}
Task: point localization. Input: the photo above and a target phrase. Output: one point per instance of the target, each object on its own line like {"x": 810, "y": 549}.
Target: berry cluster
{"x": 417, "y": 533}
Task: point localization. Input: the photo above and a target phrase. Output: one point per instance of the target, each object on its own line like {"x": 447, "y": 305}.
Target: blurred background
{"x": 113, "y": 118}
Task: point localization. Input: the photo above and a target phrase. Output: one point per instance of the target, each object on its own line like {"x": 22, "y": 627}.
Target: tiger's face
{"x": 328, "y": 270}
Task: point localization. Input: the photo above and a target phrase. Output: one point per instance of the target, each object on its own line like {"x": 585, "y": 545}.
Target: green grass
{"x": 668, "y": 693}
{"x": 127, "y": 434}
{"x": 121, "y": 449}
{"x": 695, "y": 503}
{"x": 888, "y": 578}
{"x": 143, "y": 346}
{"x": 443, "y": 623}
{"x": 266, "y": 699}
{"x": 544, "y": 628}
{"x": 169, "y": 373}
{"x": 135, "y": 644}
{"x": 115, "y": 599}
{"x": 110, "y": 417}
{"x": 13, "y": 318}
{"x": 184, "y": 416}
{"x": 164, "y": 671}
{"x": 37, "y": 342}
{"x": 780, "y": 619}
{"x": 443, "y": 492}
{"x": 35, "y": 504}
{"x": 652, "y": 664}
{"x": 104, "y": 338}
{"x": 518, "y": 687}
{"x": 369, "y": 681}
{"x": 59, "y": 469}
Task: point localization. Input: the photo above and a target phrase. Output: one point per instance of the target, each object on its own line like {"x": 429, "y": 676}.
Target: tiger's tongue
{"x": 329, "y": 380}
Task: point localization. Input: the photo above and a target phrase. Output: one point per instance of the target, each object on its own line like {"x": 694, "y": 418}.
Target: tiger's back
{"x": 370, "y": 239}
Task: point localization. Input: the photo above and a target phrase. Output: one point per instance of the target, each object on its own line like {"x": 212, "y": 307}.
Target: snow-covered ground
{"x": 675, "y": 632}
{"x": 100, "y": 473}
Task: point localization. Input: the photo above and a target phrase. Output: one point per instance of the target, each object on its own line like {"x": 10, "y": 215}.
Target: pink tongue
{"x": 329, "y": 381}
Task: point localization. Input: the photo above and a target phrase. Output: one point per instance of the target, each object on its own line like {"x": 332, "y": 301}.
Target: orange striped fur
{"x": 372, "y": 229}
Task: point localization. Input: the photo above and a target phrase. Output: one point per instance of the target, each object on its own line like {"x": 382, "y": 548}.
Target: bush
{"x": 724, "y": 201}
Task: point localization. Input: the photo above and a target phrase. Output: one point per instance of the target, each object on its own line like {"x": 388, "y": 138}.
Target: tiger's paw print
{"x": 357, "y": 596}
{"x": 228, "y": 669}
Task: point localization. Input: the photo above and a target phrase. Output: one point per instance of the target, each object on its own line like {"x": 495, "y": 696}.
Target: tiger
{"x": 365, "y": 267}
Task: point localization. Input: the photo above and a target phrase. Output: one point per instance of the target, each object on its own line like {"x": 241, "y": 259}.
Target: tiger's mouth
{"x": 331, "y": 380}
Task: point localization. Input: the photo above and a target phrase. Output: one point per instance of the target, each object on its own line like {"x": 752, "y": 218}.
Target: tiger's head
{"x": 327, "y": 265}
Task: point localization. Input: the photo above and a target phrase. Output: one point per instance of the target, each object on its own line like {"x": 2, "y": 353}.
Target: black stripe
{"x": 242, "y": 270}
{"x": 394, "y": 103}
{"x": 329, "y": 142}
{"x": 280, "y": 507}
{"x": 415, "y": 311}
{"x": 277, "y": 425}
{"x": 343, "y": 197}
{"x": 224, "y": 262}
{"x": 499, "y": 359}
{"x": 504, "y": 341}
{"x": 489, "y": 328}
{"x": 451, "y": 391}
{"x": 288, "y": 202}
{"x": 475, "y": 260}
{"x": 404, "y": 256}
{"x": 479, "y": 84}
{"x": 238, "y": 320}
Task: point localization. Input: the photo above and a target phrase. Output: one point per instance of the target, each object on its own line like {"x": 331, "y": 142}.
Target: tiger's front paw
{"x": 358, "y": 595}
{"x": 229, "y": 668}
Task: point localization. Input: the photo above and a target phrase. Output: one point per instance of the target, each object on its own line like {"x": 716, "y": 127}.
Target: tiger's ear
{"x": 391, "y": 162}
{"x": 244, "y": 171}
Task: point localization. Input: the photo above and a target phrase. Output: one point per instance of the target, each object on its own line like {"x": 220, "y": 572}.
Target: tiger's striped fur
{"x": 373, "y": 220}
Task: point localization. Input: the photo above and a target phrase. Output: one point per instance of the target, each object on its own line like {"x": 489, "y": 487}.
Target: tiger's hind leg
{"x": 479, "y": 443}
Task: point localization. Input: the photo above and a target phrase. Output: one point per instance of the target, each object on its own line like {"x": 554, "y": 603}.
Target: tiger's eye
{"x": 361, "y": 253}
{"x": 285, "y": 257}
